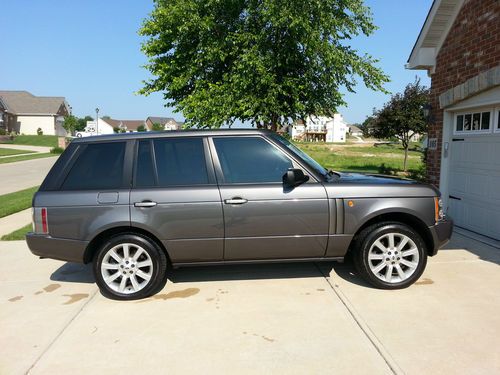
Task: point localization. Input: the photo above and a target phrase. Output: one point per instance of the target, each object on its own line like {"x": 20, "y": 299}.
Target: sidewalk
{"x": 11, "y": 223}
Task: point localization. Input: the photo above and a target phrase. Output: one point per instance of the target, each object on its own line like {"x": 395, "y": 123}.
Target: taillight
{"x": 40, "y": 220}
{"x": 45, "y": 228}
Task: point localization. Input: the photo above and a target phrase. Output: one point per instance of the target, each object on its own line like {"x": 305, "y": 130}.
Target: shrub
{"x": 141, "y": 128}
{"x": 39, "y": 131}
{"x": 56, "y": 150}
{"x": 157, "y": 127}
{"x": 3, "y": 132}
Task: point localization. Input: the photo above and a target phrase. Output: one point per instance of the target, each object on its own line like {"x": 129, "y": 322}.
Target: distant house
{"x": 355, "y": 131}
{"x": 25, "y": 113}
{"x": 126, "y": 125}
{"x": 320, "y": 129}
{"x": 168, "y": 123}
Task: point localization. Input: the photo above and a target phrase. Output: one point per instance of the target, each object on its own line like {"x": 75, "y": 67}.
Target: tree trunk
{"x": 405, "y": 145}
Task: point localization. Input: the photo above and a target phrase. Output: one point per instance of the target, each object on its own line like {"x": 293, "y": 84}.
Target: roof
{"x": 354, "y": 128}
{"x": 129, "y": 124}
{"x": 22, "y": 102}
{"x": 173, "y": 133}
{"x": 163, "y": 120}
{"x": 438, "y": 22}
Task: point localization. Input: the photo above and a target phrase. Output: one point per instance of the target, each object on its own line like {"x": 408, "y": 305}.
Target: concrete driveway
{"x": 288, "y": 318}
{"x": 24, "y": 174}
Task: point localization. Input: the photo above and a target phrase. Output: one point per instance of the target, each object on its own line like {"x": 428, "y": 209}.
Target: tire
{"x": 389, "y": 263}
{"x": 130, "y": 266}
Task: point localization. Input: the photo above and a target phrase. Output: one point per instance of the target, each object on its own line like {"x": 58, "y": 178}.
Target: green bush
{"x": 141, "y": 128}
{"x": 56, "y": 150}
{"x": 3, "y": 132}
{"x": 39, "y": 131}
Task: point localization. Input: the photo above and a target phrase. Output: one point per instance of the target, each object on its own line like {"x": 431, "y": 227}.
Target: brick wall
{"x": 471, "y": 47}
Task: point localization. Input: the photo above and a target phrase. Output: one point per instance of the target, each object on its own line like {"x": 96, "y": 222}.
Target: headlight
{"x": 438, "y": 209}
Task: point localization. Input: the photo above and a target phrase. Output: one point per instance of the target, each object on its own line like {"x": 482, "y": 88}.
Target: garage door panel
{"x": 474, "y": 178}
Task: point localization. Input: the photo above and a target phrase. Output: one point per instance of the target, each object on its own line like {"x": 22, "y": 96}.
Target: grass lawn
{"x": 355, "y": 157}
{"x": 35, "y": 140}
{"x": 12, "y": 151}
{"x": 25, "y": 157}
{"x": 17, "y": 201}
{"x": 18, "y": 234}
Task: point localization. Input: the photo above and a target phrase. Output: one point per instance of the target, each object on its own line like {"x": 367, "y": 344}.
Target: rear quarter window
{"x": 99, "y": 166}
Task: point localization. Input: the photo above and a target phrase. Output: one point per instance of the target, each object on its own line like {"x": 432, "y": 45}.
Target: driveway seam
{"x": 61, "y": 332}
{"x": 379, "y": 347}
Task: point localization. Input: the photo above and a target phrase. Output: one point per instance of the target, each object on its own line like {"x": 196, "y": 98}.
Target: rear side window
{"x": 179, "y": 161}
{"x": 99, "y": 166}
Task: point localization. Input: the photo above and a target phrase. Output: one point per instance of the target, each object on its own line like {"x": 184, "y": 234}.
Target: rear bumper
{"x": 56, "y": 248}
{"x": 441, "y": 234}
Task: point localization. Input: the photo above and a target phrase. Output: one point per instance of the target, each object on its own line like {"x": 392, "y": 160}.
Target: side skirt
{"x": 258, "y": 261}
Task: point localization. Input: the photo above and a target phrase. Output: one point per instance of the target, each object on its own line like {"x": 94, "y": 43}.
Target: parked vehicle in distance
{"x": 134, "y": 203}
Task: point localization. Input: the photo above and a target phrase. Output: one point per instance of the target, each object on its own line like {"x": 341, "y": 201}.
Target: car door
{"x": 175, "y": 196}
{"x": 263, "y": 219}
{"x": 94, "y": 191}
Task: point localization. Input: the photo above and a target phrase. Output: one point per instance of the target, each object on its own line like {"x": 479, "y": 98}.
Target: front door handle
{"x": 235, "y": 200}
{"x": 145, "y": 204}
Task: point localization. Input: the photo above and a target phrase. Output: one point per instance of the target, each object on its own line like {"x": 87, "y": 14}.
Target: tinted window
{"x": 250, "y": 160}
{"x": 144, "y": 175}
{"x": 99, "y": 166}
{"x": 180, "y": 161}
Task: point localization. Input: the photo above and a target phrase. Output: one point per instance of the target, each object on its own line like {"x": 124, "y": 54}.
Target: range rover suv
{"x": 133, "y": 204}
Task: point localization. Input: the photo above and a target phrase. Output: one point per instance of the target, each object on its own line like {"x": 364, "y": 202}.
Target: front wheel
{"x": 390, "y": 255}
{"x": 129, "y": 267}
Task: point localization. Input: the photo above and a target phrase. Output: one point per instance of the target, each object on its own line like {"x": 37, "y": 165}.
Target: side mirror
{"x": 294, "y": 177}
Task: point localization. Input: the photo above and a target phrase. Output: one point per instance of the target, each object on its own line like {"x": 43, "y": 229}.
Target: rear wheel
{"x": 390, "y": 255}
{"x": 129, "y": 267}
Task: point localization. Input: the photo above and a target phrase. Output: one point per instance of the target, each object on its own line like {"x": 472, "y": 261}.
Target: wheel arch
{"x": 99, "y": 239}
{"x": 402, "y": 217}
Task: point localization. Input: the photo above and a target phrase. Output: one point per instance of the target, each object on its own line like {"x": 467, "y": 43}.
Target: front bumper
{"x": 441, "y": 234}
{"x": 56, "y": 248}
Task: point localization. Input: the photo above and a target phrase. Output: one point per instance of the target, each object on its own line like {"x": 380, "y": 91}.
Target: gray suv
{"x": 133, "y": 204}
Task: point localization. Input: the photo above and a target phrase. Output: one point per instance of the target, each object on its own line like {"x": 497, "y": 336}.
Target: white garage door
{"x": 474, "y": 184}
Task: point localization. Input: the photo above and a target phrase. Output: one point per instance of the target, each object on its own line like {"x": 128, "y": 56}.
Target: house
{"x": 126, "y": 125}
{"x": 354, "y": 131}
{"x": 319, "y": 129}
{"x": 168, "y": 123}
{"x": 458, "y": 45}
{"x": 23, "y": 112}
{"x": 99, "y": 127}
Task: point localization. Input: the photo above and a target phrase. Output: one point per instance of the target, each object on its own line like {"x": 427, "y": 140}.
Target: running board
{"x": 258, "y": 261}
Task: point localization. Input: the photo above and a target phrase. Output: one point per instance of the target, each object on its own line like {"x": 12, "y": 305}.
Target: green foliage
{"x": 402, "y": 117}
{"x": 70, "y": 124}
{"x": 17, "y": 235}
{"x": 56, "y": 150}
{"x": 157, "y": 127}
{"x": 34, "y": 140}
{"x": 17, "y": 201}
{"x": 3, "y": 132}
{"x": 13, "y": 159}
{"x": 39, "y": 131}
{"x": 141, "y": 128}
{"x": 269, "y": 62}
{"x": 11, "y": 151}
{"x": 82, "y": 123}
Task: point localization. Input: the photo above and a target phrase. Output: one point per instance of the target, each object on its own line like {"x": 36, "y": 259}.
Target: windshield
{"x": 301, "y": 154}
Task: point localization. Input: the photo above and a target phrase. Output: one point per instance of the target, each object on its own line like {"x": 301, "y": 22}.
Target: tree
{"x": 403, "y": 116}
{"x": 269, "y": 62}
{"x": 70, "y": 124}
{"x": 157, "y": 127}
{"x": 141, "y": 128}
{"x": 82, "y": 123}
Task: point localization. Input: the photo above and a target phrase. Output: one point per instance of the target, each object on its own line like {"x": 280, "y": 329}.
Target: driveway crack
{"x": 370, "y": 335}
{"x": 61, "y": 332}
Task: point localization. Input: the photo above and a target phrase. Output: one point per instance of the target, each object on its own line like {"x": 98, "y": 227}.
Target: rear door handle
{"x": 235, "y": 200}
{"x": 145, "y": 204}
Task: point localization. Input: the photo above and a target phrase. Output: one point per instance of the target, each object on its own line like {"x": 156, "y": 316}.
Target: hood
{"x": 376, "y": 179}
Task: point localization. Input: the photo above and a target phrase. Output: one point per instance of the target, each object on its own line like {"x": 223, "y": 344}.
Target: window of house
{"x": 473, "y": 122}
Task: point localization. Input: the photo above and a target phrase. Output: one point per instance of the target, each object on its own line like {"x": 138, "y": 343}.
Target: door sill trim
{"x": 257, "y": 261}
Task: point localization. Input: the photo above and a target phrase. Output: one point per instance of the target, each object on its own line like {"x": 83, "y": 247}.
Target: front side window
{"x": 99, "y": 166}
{"x": 250, "y": 160}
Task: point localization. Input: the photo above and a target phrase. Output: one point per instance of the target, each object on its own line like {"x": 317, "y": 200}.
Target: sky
{"x": 89, "y": 52}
